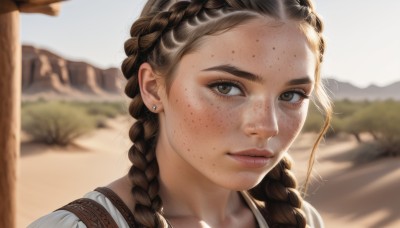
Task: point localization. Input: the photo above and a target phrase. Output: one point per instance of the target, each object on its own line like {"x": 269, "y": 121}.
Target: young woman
{"x": 220, "y": 89}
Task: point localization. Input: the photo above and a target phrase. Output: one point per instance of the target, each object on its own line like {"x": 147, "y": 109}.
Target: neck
{"x": 188, "y": 194}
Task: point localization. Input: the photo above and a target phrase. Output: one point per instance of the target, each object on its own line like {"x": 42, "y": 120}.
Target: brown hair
{"x": 169, "y": 29}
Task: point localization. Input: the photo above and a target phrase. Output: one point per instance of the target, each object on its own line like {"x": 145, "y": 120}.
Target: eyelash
{"x": 228, "y": 83}
{"x": 303, "y": 95}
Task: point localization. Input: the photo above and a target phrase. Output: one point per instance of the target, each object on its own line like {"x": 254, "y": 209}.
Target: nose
{"x": 261, "y": 121}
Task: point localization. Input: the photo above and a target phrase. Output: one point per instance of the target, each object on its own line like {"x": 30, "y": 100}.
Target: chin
{"x": 244, "y": 183}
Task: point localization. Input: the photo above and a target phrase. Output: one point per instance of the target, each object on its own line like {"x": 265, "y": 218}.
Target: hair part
{"x": 165, "y": 32}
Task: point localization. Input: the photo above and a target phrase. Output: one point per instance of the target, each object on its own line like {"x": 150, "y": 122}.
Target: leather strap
{"x": 119, "y": 204}
{"x": 91, "y": 213}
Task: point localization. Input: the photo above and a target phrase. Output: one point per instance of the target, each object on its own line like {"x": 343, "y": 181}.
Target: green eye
{"x": 287, "y": 96}
{"x": 292, "y": 96}
{"x": 226, "y": 89}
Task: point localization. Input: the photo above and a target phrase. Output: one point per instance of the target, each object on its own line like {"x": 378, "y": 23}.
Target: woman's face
{"x": 236, "y": 103}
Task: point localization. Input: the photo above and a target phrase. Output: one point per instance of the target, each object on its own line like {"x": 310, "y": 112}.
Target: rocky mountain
{"x": 343, "y": 90}
{"x": 47, "y": 75}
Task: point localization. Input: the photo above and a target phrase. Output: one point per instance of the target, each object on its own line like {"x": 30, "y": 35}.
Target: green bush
{"x": 106, "y": 109}
{"x": 55, "y": 122}
{"x": 381, "y": 119}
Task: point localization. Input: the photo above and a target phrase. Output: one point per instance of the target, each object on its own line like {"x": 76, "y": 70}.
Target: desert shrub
{"x": 382, "y": 121}
{"x": 55, "y": 122}
{"x": 343, "y": 117}
{"x": 106, "y": 109}
{"x": 345, "y": 108}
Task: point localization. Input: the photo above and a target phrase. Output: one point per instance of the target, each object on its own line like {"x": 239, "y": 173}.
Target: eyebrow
{"x": 300, "y": 81}
{"x": 237, "y": 72}
{"x": 252, "y": 77}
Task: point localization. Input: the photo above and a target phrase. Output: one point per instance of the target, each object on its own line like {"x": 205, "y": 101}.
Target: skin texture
{"x": 210, "y": 114}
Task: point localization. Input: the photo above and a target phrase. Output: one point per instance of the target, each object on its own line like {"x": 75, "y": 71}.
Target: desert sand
{"x": 345, "y": 194}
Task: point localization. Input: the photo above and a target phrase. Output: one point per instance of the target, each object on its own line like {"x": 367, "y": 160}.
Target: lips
{"x": 254, "y": 153}
{"x": 253, "y": 158}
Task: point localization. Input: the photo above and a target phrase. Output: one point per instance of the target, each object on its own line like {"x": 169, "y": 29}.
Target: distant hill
{"x": 49, "y": 76}
{"x": 343, "y": 90}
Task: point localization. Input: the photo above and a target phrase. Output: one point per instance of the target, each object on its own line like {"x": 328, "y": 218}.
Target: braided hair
{"x": 169, "y": 29}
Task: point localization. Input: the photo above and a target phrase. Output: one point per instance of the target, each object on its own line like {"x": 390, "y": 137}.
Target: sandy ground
{"x": 346, "y": 195}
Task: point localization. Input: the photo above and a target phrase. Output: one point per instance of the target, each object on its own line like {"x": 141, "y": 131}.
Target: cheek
{"x": 292, "y": 124}
{"x": 206, "y": 118}
{"x": 200, "y": 121}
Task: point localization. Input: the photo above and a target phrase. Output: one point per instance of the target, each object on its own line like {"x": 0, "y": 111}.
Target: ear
{"x": 150, "y": 86}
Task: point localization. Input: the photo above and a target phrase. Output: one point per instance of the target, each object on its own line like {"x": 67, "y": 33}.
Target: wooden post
{"x": 10, "y": 94}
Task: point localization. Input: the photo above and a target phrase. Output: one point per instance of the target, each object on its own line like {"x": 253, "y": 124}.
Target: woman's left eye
{"x": 293, "y": 96}
{"x": 226, "y": 89}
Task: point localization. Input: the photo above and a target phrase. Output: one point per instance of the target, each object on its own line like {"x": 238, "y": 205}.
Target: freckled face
{"x": 236, "y": 104}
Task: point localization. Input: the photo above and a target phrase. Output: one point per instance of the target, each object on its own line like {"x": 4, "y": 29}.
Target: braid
{"x": 145, "y": 33}
{"x": 283, "y": 202}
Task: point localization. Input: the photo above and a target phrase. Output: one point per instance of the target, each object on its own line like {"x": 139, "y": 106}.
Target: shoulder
{"x": 62, "y": 219}
{"x": 65, "y": 218}
{"x": 314, "y": 219}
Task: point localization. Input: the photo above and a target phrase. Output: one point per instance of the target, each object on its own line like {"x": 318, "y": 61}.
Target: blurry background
{"x": 75, "y": 58}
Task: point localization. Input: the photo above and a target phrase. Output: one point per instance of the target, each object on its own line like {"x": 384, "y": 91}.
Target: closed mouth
{"x": 253, "y": 153}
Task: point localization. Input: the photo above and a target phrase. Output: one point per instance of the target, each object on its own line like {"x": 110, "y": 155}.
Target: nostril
{"x": 262, "y": 131}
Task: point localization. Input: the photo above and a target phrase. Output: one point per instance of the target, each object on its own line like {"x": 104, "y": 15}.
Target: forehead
{"x": 261, "y": 32}
{"x": 257, "y": 45}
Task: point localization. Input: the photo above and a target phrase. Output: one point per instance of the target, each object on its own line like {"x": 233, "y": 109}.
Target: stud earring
{"x": 154, "y": 107}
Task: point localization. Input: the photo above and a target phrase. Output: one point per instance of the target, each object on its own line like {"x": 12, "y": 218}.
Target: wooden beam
{"x": 52, "y": 9}
{"x": 37, "y": 2}
{"x": 10, "y": 94}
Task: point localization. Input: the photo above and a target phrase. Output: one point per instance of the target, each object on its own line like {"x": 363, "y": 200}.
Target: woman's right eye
{"x": 226, "y": 89}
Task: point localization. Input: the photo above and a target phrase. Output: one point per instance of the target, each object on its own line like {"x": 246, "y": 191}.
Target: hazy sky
{"x": 363, "y": 36}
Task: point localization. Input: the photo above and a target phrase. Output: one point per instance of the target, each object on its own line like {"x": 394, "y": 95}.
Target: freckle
{"x": 257, "y": 40}
{"x": 213, "y": 164}
{"x": 213, "y": 148}
{"x": 192, "y": 121}
{"x": 185, "y": 89}
{"x": 295, "y": 56}
{"x": 191, "y": 113}
{"x": 273, "y": 48}
{"x": 233, "y": 51}
{"x": 212, "y": 56}
{"x": 188, "y": 105}
{"x": 176, "y": 100}
{"x": 278, "y": 58}
{"x": 254, "y": 56}
{"x": 206, "y": 126}
{"x": 201, "y": 157}
{"x": 189, "y": 151}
